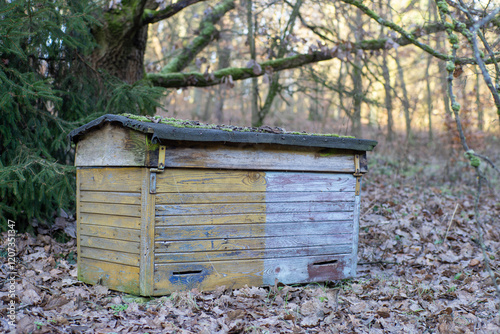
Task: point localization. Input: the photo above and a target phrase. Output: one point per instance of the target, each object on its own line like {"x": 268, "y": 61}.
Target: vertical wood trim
{"x": 78, "y": 219}
{"x": 355, "y": 234}
{"x": 146, "y": 276}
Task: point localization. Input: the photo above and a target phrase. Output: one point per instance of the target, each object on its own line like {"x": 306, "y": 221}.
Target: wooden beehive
{"x": 163, "y": 208}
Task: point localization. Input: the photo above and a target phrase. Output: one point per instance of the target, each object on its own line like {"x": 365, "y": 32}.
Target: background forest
{"x": 399, "y": 72}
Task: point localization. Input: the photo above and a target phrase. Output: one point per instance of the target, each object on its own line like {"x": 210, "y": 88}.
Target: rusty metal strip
{"x": 357, "y": 174}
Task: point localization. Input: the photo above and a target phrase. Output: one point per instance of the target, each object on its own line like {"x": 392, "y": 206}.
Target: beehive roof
{"x": 197, "y": 132}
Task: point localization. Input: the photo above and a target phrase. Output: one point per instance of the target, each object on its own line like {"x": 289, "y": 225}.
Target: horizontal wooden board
{"x": 111, "y": 244}
{"x": 243, "y": 254}
{"x": 253, "y": 218}
{"x": 107, "y": 255}
{"x": 252, "y": 197}
{"x": 110, "y": 220}
{"x": 115, "y": 276}
{"x": 260, "y": 157}
{"x": 194, "y": 232}
{"x": 129, "y": 210}
{"x": 298, "y": 182}
{"x": 110, "y": 232}
{"x": 115, "y": 179}
{"x": 112, "y": 145}
{"x": 217, "y": 209}
{"x": 110, "y": 197}
{"x": 236, "y": 274}
{"x": 191, "y": 180}
{"x": 237, "y": 244}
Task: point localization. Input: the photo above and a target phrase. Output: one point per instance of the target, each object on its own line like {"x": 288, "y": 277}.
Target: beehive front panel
{"x": 109, "y": 222}
{"x": 244, "y": 227}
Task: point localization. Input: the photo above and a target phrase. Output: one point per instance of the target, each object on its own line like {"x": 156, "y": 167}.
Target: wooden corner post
{"x": 357, "y": 202}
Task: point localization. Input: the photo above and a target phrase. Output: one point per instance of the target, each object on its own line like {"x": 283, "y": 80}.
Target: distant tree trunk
{"x": 388, "y": 95}
{"x": 208, "y": 105}
{"x": 479, "y": 107}
{"x": 224, "y": 60}
{"x": 429, "y": 97}
{"x": 254, "y": 89}
{"x": 406, "y": 103}
{"x": 357, "y": 98}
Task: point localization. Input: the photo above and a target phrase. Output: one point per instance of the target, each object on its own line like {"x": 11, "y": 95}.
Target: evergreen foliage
{"x": 47, "y": 89}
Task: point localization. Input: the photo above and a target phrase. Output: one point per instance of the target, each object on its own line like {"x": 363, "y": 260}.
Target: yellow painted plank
{"x": 111, "y": 244}
{"x": 110, "y": 197}
{"x": 129, "y": 210}
{"x": 245, "y": 254}
{"x": 206, "y": 276}
{"x": 201, "y": 232}
{"x": 110, "y": 220}
{"x": 110, "y": 256}
{"x": 210, "y": 220}
{"x": 197, "y": 180}
{"x": 110, "y": 232}
{"x": 127, "y": 179}
{"x": 238, "y": 244}
{"x": 115, "y": 276}
{"x": 209, "y": 209}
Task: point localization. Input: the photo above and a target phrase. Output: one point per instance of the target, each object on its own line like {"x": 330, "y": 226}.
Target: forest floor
{"x": 421, "y": 270}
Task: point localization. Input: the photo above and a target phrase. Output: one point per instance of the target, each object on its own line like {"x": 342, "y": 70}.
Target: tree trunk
{"x": 388, "y": 96}
{"x": 406, "y": 103}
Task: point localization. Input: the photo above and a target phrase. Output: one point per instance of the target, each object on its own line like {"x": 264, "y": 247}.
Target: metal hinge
{"x": 160, "y": 169}
{"x": 357, "y": 174}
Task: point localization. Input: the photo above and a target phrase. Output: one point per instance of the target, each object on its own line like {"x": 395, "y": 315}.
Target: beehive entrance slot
{"x": 187, "y": 272}
{"x": 322, "y": 263}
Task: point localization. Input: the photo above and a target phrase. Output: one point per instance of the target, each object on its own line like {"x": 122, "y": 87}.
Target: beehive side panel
{"x": 259, "y": 157}
{"x": 147, "y": 237}
{"x": 112, "y": 145}
{"x": 116, "y": 276}
{"x": 331, "y": 264}
{"x": 78, "y": 226}
{"x": 108, "y": 226}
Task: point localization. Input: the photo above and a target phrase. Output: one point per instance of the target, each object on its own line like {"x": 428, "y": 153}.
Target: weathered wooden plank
{"x": 110, "y": 220}
{"x": 110, "y": 256}
{"x": 237, "y": 244}
{"x": 253, "y": 218}
{"x": 191, "y": 180}
{"x": 129, "y": 210}
{"x": 236, "y": 274}
{"x": 297, "y": 182}
{"x": 112, "y": 145}
{"x": 253, "y": 197}
{"x": 110, "y": 232}
{"x": 110, "y": 197}
{"x": 217, "y": 209}
{"x": 259, "y": 157}
{"x": 147, "y": 237}
{"x": 115, "y": 276}
{"x": 111, "y": 244}
{"x": 243, "y": 254}
{"x": 195, "y": 232}
{"x": 111, "y": 179}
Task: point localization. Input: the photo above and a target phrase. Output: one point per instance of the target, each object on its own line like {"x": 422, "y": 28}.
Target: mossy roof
{"x": 164, "y": 129}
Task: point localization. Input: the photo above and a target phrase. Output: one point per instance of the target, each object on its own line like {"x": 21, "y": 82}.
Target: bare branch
{"x": 152, "y": 16}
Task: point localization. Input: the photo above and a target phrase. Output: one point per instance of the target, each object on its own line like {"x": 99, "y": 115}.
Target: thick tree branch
{"x": 207, "y": 32}
{"x": 152, "y": 16}
{"x": 196, "y": 79}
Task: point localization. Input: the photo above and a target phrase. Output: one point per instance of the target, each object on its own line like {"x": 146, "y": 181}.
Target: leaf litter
{"x": 420, "y": 270}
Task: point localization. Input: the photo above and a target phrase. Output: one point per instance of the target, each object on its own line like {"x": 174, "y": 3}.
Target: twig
{"x": 451, "y": 221}
{"x": 376, "y": 262}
